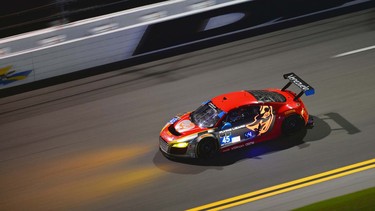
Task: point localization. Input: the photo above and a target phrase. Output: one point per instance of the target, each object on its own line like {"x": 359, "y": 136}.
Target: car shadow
{"x": 192, "y": 166}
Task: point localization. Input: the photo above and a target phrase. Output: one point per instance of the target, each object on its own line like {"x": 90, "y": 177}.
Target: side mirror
{"x": 227, "y": 125}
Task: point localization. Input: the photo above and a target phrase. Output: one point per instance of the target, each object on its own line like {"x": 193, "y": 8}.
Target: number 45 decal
{"x": 226, "y": 138}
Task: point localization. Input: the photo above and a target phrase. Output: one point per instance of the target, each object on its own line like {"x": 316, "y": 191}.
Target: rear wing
{"x": 305, "y": 87}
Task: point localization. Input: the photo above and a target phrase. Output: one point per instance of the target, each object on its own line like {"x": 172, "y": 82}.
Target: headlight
{"x": 180, "y": 145}
{"x": 184, "y": 141}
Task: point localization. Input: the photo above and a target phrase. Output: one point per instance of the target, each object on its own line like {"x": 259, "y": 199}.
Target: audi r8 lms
{"x": 237, "y": 119}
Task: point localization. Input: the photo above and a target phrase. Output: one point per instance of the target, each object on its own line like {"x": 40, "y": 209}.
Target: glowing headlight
{"x": 180, "y": 145}
{"x": 184, "y": 142}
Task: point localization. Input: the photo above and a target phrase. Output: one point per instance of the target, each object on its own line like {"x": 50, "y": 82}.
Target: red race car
{"x": 237, "y": 119}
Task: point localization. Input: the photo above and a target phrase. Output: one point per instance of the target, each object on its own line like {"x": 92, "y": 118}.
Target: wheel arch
{"x": 207, "y": 136}
{"x": 285, "y": 129}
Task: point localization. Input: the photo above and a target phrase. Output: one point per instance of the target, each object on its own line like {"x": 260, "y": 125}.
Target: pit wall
{"x": 143, "y": 31}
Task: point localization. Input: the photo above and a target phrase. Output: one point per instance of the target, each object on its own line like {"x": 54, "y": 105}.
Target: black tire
{"x": 292, "y": 124}
{"x": 207, "y": 148}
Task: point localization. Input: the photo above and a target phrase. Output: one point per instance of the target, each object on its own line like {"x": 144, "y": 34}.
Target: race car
{"x": 235, "y": 120}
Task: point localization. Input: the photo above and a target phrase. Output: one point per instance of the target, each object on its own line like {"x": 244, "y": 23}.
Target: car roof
{"x": 228, "y": 101}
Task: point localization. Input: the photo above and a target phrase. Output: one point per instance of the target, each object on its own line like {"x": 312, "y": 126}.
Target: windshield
{"x": 206, "y": 115}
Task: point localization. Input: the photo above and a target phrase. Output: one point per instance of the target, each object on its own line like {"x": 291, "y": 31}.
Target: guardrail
{"x": 120, "y": 36}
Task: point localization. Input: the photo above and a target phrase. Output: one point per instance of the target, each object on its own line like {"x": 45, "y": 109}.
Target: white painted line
{"x": 355, "y": 51}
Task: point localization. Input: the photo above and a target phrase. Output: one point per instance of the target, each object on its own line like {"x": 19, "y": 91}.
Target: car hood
{"x": 180, "y": 127}
{"x": 185, "y": 126}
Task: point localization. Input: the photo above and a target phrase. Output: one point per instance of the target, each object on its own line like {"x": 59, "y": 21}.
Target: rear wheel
{"x": 207, "y": 148}
{"x": 292, "y": 124}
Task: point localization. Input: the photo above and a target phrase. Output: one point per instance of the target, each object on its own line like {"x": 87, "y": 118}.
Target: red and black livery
{"x": 237, "y": 119}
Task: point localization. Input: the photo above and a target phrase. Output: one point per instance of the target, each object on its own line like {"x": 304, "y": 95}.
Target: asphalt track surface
{"x": 93, "y": 143}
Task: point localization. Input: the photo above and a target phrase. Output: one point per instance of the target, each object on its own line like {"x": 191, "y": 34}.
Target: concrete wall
{"x": 115, "y": 37}
{"x": 88, "y": 43}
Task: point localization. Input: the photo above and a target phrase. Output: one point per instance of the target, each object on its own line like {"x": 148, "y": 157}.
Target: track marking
{"x": 288, "y": 186}
{"x": 353, "y": 52}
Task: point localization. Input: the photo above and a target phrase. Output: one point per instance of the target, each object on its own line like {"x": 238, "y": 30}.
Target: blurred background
{"x": 92, "y": 143}
{"x": 22, "y": 16}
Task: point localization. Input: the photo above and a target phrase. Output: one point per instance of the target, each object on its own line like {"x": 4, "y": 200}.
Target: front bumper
{"x": 175, "y": 152}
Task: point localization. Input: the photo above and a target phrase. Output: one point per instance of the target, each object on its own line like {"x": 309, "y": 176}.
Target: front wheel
{"x": 292, "y": 124}
{"x": 207, "y": 148}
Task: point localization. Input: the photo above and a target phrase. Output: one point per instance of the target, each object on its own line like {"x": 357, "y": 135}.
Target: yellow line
{"x": 284, "y": 185}
{"x": 294, "y": 187}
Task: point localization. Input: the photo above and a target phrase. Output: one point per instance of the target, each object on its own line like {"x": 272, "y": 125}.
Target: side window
{"x": 242, "y": 115}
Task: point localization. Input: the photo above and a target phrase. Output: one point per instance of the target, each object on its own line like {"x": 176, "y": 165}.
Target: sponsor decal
{"x": 184, "y": 126}
{"x": 223, "y": 20}
{"x": 8, "y": 75}
{"x": 249, "y": 143}
{"x": 306, "y": 88}
{"x": 250, "y": 134}
{"x": 263, "y": 121}
{"x": 300, "y": 84}
{"x": 238, "y": 146}
{"x": 52, "y": 40}
{"x": 231, "y": 129}
{"x": 227, "y": 139}
{"x": 243, "y": 17}
{"x": 236, "y": 139}
{"x": 104, "y": 28}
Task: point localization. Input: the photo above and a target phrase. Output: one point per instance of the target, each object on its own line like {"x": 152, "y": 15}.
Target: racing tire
{"x": 207, "y": 148}
{"x": 292, "y": 124}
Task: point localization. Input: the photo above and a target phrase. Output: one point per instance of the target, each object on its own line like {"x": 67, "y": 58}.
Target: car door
{"x": 234, "y": 126}
{"x": 263, "y": 122}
